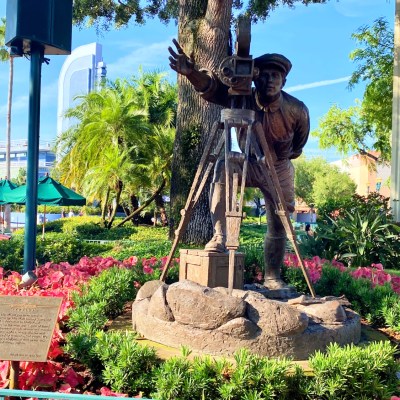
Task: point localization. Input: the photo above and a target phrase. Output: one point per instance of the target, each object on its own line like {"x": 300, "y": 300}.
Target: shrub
{"x": 109, "y": 292}
{"x": 365, "y": 298}
{"x": 252, "y": 377}
{"x": 354, "y": 372}
{"x": 65, "y": 248}
{"x": 12, "y": 253}
{"x": 391, "y": 312}
{"x": 360, "y": 231}
{"x": 256, "y": 377}
{"x": 179, "y": 378}
{"x": 295, "y": 277}
{"x": 127, "y": 366}
{"x": 141, "y": 249}
{"x": 254, "y": 262}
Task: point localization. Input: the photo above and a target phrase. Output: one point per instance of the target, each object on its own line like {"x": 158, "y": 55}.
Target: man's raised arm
{"x": 183, "y": 65}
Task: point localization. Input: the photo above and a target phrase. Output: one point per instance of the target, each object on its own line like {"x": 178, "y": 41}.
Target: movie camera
{"x": 238, "y": 71}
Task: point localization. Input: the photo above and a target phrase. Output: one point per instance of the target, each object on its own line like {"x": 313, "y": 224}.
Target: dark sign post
{"x": 36, "y": 29}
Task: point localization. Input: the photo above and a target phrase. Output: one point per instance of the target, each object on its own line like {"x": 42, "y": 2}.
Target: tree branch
{"x": 148, "y": 201}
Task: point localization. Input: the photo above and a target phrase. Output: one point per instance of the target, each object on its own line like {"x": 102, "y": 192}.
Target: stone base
{"x": 213, "y": 322}
{"x": 288, "y": 292}
{"x": 210, "y": 269}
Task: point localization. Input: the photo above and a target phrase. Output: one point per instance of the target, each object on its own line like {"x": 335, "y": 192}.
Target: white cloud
{"x": 21, "y": 103}
{"x": 358, "y": 8}
{"x": 312, "y": 85}
{"x": 148, "y": 56}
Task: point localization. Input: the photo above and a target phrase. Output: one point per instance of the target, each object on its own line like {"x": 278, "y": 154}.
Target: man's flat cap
{"x": 275, "y": 59}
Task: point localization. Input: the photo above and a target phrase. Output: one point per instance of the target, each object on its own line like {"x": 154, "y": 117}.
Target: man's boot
{"x": 274, "y": 253}
{"x": 217, "y": 209}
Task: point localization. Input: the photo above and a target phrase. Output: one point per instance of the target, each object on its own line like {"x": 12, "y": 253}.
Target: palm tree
{"x": 153, "y": 175}
{"x": 5, "y": 56}
{"x": 98, "y": 148}
{"x": 109, "y": 154}
{"x": 109, "y": 177}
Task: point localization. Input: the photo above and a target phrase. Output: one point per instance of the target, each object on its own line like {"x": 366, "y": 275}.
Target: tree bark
{"x": 135, "y": 206}
{"x": 160, "y": 207}
{"x": 104, "y": 208}
{"x": 203, "y": 26}
{"x": 116, "y": 204}
{"x": 145, "y": 204}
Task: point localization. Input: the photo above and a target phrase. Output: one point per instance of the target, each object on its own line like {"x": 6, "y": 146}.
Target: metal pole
{"x": 37, "y": 52}
{"x": 395, "y": 165}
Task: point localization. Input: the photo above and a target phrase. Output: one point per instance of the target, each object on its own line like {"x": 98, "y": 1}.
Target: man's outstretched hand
{"x": 179, "y": 61}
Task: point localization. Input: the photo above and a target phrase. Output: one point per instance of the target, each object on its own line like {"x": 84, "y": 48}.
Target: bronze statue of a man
{"x": 286, "y": 123}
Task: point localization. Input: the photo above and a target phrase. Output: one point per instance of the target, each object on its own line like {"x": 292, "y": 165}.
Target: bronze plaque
{"x": 26, "y": 326}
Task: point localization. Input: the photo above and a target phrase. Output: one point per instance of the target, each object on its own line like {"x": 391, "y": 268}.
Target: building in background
{"x": 18, "y": 158}
{"x": 80, "y": 74}
{"x": 367, "y": 172}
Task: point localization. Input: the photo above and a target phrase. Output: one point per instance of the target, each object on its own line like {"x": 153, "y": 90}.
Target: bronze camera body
{"x": 238, "y": 71}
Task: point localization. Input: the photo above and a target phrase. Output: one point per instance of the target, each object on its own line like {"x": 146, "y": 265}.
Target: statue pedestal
{"x": 210, "y": 269}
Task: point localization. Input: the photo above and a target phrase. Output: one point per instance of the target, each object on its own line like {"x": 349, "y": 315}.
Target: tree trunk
{"x": 160, "y": 206}
{"x": 203, "y": 26}
{"x": 135, "y": 206}
{"x": 144, "y": 205}
{"x": 7, "y": 209}
{"x": 104, "y": 208}
{"x": 116, "y": 201}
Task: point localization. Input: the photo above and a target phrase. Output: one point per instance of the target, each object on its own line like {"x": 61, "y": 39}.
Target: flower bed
{"x": 374, "y": 273}
{"x": 61, "y": 280}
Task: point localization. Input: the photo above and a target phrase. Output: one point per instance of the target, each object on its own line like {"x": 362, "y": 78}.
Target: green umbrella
{"x": 6, "y": 186}
{"x": 50, "y": 192}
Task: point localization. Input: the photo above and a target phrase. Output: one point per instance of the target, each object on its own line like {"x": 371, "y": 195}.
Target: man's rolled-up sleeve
{"x": 216, "y": 92}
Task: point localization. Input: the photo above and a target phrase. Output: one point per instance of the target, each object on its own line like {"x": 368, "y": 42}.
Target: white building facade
{"x": 80, "y": 74}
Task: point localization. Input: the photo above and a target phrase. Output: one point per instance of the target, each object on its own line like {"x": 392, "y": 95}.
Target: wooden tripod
{"x": 242, "y": 120}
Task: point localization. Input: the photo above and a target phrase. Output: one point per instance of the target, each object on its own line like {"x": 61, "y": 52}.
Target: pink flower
{"x": 148, "y": 270}
{"x": 72, "y": 378}
{"x": 131, "y": 261}
{"x": 105, "y": 391}
{"x": 337, "y": 264}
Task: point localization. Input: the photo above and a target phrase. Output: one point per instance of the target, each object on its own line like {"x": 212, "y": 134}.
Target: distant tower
{"x": 81, "y": 73}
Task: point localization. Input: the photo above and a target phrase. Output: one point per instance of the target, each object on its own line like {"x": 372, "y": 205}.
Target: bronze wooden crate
{"x": 210, "y": 269}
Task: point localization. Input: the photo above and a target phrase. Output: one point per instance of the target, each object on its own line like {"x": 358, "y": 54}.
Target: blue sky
{"x": 317, "y": 39}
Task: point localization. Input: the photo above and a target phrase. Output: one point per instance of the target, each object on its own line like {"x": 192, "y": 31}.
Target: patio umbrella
{"x": 6, "y": 186}
{"x": 50, "y": 192}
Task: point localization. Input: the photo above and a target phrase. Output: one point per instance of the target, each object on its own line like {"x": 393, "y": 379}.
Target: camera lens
{"x": 227, "y": 71}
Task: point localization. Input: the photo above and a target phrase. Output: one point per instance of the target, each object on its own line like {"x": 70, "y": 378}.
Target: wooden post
{"x": 14, "y": 373}
{"x": 395, "y": 164}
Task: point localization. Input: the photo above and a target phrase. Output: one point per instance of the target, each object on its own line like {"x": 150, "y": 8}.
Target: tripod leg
{"x": 234, "y": 213}
{"x": 195, "y": 191}
{"x": 281, "y": 210}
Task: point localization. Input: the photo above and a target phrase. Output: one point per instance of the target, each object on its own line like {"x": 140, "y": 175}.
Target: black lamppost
{"x": 36, "y": 30}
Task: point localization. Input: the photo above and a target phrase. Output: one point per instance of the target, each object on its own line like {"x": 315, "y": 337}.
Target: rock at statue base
{"x": 210, "y": 320}
{"x": 287, "y": 292}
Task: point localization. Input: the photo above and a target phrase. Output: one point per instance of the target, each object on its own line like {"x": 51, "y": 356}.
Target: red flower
{"x": 105, "y": 391}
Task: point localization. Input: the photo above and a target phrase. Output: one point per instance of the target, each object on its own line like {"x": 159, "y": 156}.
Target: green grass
{"x": 393, "y": 271}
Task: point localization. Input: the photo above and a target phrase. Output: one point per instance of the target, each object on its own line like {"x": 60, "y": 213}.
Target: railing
{"x": 53, "y": 395}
